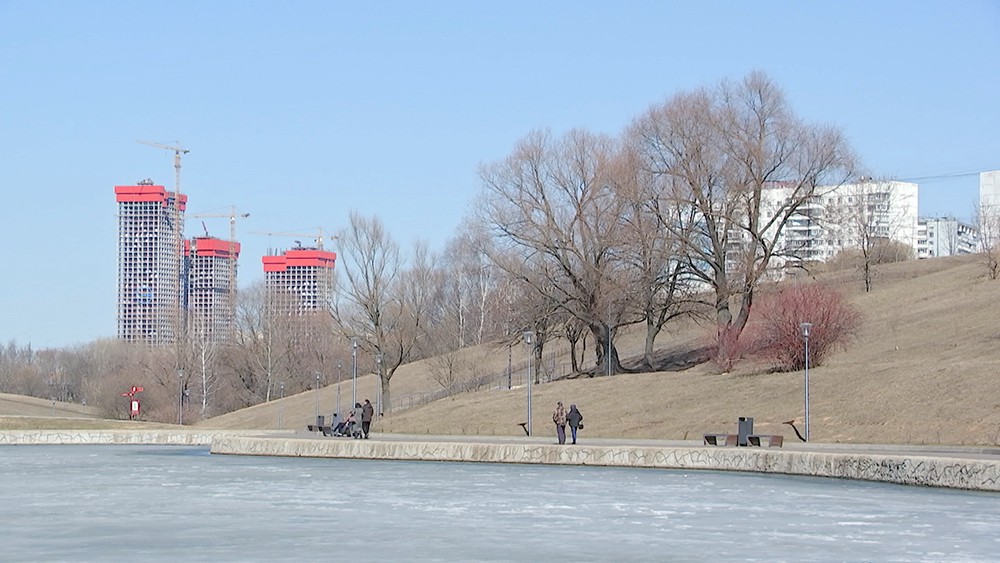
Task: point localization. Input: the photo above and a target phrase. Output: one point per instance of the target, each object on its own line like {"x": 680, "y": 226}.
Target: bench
{"x": 524, "y": 426}
{"x": 316, "y": 428}
{"x": 768, "y": 440}
{"x": 720, "y": 439}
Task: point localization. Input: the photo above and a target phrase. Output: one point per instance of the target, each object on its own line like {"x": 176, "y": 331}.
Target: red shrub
{"x": 777, "y": 320}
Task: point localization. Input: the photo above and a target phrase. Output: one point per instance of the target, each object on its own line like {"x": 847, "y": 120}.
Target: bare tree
{"x": 469, "y": 285}
{"x": 657, "y": 283}
{"x": 988, "y": 221}
{"x": 553, "y": 206}
{"x": 387, "y": 307}
{"x": 714, "y": 154}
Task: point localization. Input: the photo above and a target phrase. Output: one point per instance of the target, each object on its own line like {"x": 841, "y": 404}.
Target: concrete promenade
{"x": 935, "y": 466}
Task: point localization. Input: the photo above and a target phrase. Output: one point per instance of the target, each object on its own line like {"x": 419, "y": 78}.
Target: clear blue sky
{"x": 300, "y": 112}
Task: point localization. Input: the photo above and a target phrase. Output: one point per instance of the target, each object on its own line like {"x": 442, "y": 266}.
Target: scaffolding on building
{"x": 150, "y": 220}
{"x": 299, "y": 281}
{"x": 210, "y": 301}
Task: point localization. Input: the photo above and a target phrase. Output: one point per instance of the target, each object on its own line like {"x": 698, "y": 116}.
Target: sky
{"x": 301, "y": 112}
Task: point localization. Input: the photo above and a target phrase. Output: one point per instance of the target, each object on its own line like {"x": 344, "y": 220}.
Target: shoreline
{"x": 974, "y": 469}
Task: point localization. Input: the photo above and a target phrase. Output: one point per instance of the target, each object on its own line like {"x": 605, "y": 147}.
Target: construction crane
{"x": 232, "y": 215}
{"x": 179, "y": 227}
{"x": 178, "y": 151}
{"x": 317, "y": 237}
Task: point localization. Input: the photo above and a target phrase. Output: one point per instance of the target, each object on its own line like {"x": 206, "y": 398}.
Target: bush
{"x": 777, "y": 319}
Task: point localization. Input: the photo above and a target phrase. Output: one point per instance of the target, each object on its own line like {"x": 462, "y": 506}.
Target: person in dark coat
{"x": 367, "y": 413}
{"x": 575, "y": 420}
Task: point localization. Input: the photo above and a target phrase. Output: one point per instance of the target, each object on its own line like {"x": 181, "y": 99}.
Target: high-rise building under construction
{"x": 210, "y": 299}
{"x": 170, "y": 288}
{"x": 150, "y": 227}
{"x": 299, "y": 281}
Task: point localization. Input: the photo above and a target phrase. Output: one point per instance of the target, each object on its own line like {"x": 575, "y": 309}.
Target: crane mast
{"x": 178, "y": 151}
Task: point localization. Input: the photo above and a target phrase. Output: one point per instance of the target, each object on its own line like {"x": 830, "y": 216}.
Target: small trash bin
{"x": 744, "y": 429}
{"x": 319, "y": 421}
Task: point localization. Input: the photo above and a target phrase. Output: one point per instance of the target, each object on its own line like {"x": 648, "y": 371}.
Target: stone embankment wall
{"x": 168, "y": 437}
{"x": 973, "y": 474}
{"x": 982, "y": 474}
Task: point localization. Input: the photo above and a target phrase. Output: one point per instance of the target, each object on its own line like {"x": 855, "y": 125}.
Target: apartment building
{"x": 989, "y": 191}
{"x": 210, "y": 299}
{"x": 150, "y": 225}
{"x": 299, "y": 281}
{"x": 843, "y": 217}
{"x": 946, "y": 236}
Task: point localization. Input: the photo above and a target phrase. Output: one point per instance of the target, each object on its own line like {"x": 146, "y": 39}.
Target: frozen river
{"x": 151, "y": 503}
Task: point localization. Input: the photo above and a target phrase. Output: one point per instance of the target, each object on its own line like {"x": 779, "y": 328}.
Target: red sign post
{"x": 134, "y": 407}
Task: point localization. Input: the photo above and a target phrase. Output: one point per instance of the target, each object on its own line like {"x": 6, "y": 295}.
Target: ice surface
{"x": 151, "y": 503}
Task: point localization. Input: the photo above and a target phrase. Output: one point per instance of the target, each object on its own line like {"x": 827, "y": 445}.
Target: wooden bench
{"x": 768, "y": 440}
{"x": 720, "y": 439}
{"x": 314, "y": 428}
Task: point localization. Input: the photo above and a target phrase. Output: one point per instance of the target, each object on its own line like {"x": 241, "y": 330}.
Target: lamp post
{"x": 281, "y": 405}
{"x": 529, "y": 338}
{"x": 340, "y": 377}
{"x": 317, "y": 394}
{"x": 378, "y": 374}
{"x": 805, "y": 336}
{"x": 609, "y": 338}
{"x": 180, "y": 395}
{"x": 354, "y": 377}
{"x": 506, "y": 332}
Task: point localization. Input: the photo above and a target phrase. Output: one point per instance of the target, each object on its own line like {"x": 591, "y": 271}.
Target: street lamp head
{"x": 805, "y": 329}
{"x": 529, "y": 335}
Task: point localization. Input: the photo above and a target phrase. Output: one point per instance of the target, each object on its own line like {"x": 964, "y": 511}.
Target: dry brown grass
{"x": 924, "y": 370}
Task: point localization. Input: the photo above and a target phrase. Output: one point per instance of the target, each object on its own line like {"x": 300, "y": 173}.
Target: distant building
{"x": 989, "y": 191}
{"x": 839, "y": 218}
{"x": 299, "y": 281}
{"x": 945, "y": 236}
{"x": 210, "y": 299}
{"x": 150, "y": 225}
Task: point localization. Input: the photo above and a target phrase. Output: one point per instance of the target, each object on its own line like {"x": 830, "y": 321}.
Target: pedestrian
{"x": 575, "y": 420}
{"x": 559, "y": 417}
{"x": 367, "y": 413}
{"x": 356, "y": 426}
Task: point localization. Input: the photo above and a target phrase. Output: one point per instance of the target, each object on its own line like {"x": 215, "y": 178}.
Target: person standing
{"x": 356, "y": 425}
{"x": 559, "y": 417}
{"x": 367, "y": 413}
{"x": 575, "y": 420}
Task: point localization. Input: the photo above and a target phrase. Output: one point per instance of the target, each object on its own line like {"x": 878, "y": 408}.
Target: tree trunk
{"x": 386, "y": 403}
{"x": 603, "y": 338}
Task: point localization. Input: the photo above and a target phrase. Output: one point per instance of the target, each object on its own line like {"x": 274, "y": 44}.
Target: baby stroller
{"x": 349, "y": 427}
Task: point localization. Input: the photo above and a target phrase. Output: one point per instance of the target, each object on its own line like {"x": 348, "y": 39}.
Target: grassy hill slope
{"x": 925, "y": 369}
